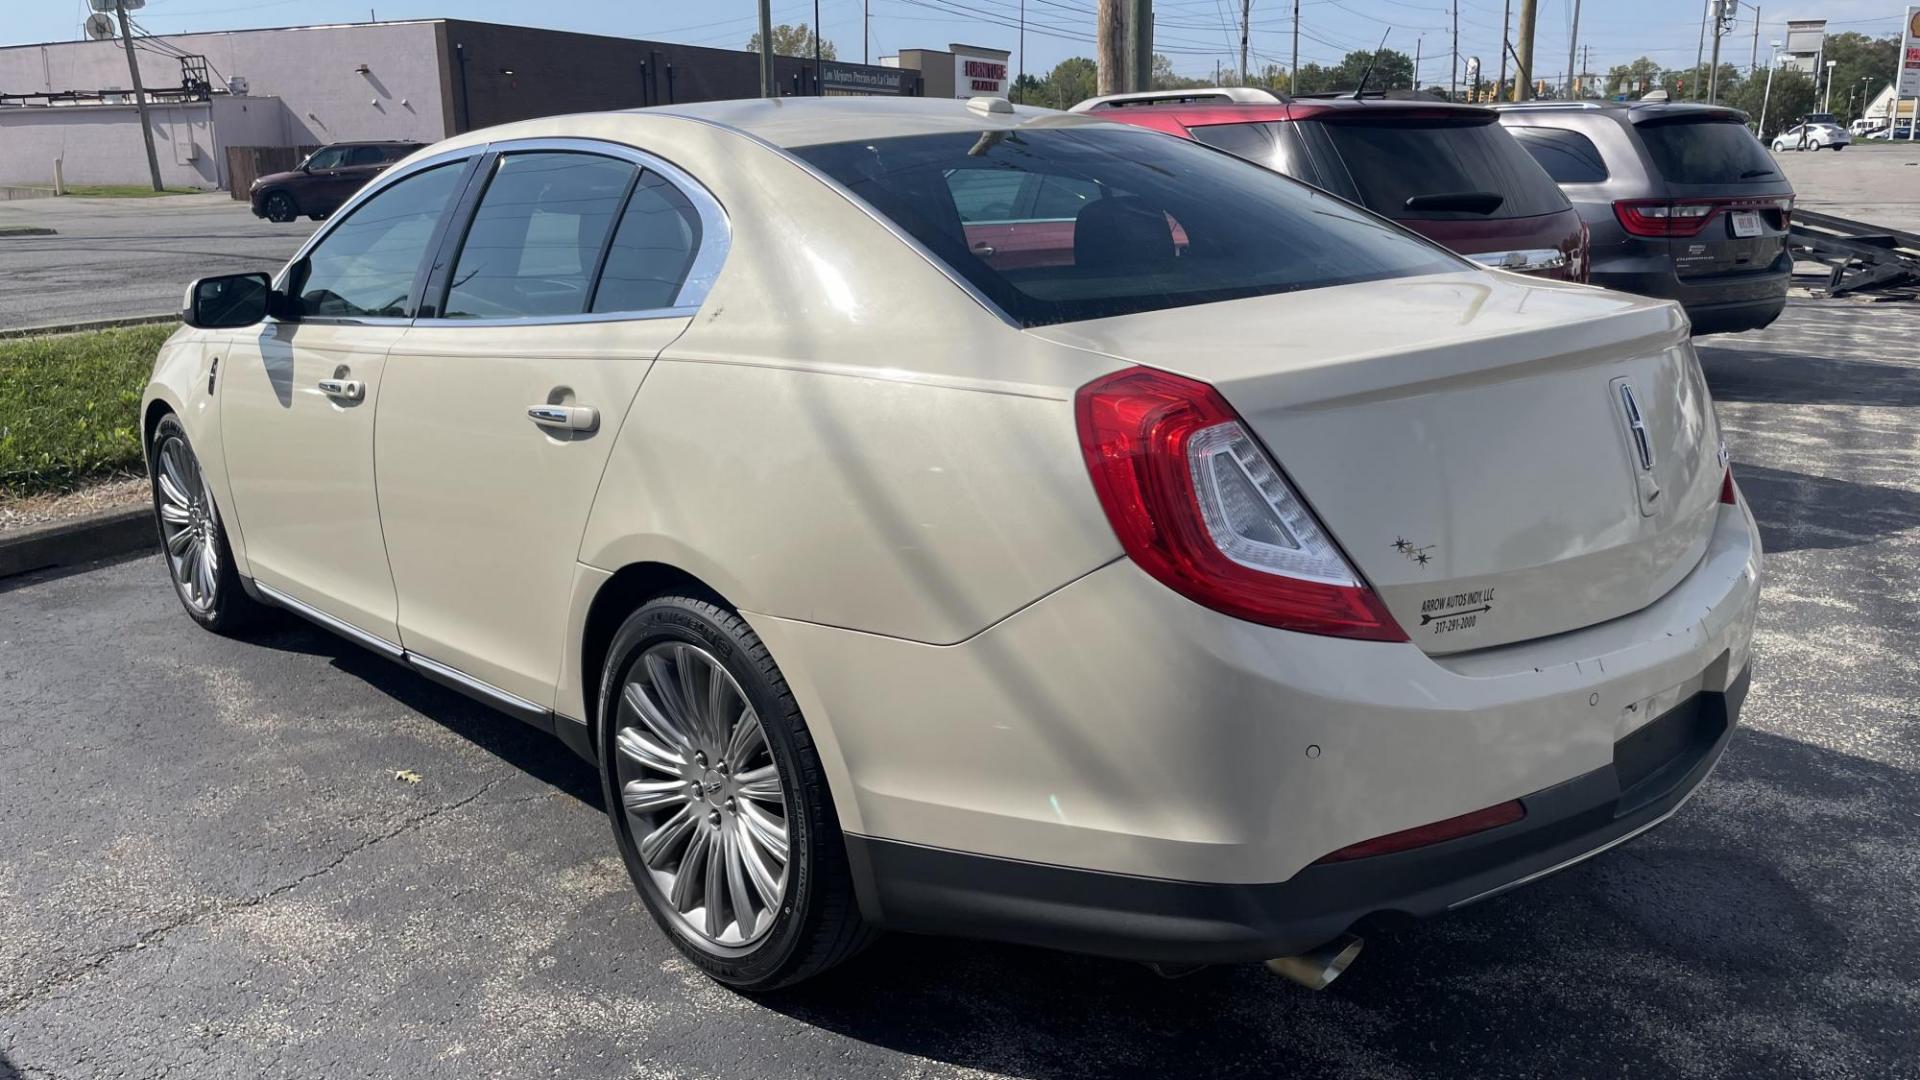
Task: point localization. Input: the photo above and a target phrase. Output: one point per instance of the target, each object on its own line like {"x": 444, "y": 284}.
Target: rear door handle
{"x": 343, "y": 389}
{"x": 565, "y": 417}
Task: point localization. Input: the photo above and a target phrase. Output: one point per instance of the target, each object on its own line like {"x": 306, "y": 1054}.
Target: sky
{"x": 1195, "y": 34}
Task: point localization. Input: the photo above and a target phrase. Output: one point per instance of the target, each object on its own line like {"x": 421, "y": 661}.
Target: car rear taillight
{"x": 1728, "y": 494}
{"x": 1583, "y": 261}
{"x": 1423, "y": 835}
{"x": 1199, "y": 505}
{"x": 1663, "y": 217}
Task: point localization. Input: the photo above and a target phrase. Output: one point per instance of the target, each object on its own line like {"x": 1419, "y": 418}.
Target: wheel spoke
{"x": 713, "y": 889}
{"x": 667, "y": 692}
{"x": 183, "y": 570}
{"x": 767, "y": 830}
{"x": 173, "y": 513}
{"x": 635, "y": 700}
{"x": 179, "y": 542}
{"x": 699, "y": 722}
{"x": 657, "y": 846}
{"x": 766, "y": 880}
{"x": 719, "y": 710}
{"x": 646, "y": 752}
{"x": 645, "y": 796}
{"x": 762, "y": 783}
{"x": 687, "y": 877}
{"x": 745, "y": 739}
{"x": 203, "y": 571}
{"x": 172, "y": 470}
{"x": 737, "y": 882}
{"x": 171, "y": 491}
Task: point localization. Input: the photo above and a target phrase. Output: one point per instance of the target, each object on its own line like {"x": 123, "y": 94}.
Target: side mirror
{"x": 227, "y": 301}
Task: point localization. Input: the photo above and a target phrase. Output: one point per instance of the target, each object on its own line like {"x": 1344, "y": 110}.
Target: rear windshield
{"x": 1707, "y": 151}
{"x": 1095, "y": 220}
{"x": 1392, "y": 160}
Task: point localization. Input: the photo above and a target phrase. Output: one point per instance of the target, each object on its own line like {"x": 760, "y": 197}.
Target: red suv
{"x": 1449, "y": 172}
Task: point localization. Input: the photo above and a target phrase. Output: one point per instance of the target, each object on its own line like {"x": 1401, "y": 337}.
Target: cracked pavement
{"x": 209, "y": 868}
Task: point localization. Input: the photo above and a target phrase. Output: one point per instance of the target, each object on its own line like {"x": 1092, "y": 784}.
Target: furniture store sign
{"x": 974, "y": 76}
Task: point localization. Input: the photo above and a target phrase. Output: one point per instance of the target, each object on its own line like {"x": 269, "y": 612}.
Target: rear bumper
{"x": 931, "y": 890}
{"x": 1716, "y": 304}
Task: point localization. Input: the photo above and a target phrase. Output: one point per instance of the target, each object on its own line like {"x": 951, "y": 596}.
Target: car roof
{"x": 1197, "y": 114}
{"x": 807, "y": 121}
{"x": 1638, "y": 112}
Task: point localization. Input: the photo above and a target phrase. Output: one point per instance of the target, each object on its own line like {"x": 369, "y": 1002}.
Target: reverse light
{"x": 1423, "y": 835}
{"x": 1200, "y": 506}
{"x": 1663, "y": 217}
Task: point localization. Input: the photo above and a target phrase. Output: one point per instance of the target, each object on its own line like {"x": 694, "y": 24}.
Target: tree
{"x": 1071, "y": 81}
{"x": 1165, "y": 78}
{"x": 1636, "y": 78}
{"x": 1027, "y": 90}
{"x": 1391, "y": 70}
{"x": 794, "y": 41}
{"x": 1862, "y": 67}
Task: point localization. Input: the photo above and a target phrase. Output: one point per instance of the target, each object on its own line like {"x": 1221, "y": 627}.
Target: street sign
{"x": 1909, "y": 83}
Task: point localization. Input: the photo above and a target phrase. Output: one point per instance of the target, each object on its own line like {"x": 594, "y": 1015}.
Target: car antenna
{"x": 1367, "y": 74}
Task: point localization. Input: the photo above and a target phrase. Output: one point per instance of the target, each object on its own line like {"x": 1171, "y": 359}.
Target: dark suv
{"x": 328, "y": 177}
{"x": 1681, "y": 200}
{"x": 1448, "y": 172}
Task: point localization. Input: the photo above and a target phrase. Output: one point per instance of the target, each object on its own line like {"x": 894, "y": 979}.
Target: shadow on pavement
{"x": 1797, "y": 511}
{"x": 1766, "y": 375}
{"x": 1721, "y": 930}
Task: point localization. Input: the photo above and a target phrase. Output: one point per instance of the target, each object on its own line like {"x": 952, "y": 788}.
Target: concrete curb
{"x": 81, "y": 327}
{"x": 26, "y": 230}
{"x": 66, "y": 543}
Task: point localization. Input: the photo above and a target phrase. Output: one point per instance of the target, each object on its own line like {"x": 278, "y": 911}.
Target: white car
{"x": 1812, "y": 137}
{"x": 949, "y": 517}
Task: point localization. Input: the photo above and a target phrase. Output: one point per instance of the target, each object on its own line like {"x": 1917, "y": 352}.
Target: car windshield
{"x": 1707, "y": 150}
{"x": 1395, "y": 160}
{"x": 1085, "y": 221}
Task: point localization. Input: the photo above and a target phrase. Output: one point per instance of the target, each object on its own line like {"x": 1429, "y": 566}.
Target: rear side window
{"x": 1159, "y": 222}
{"x": 1568, "y": 156}
{"x": 1706, "y": 151}
{"x": 1392, "y": 160}
{"x": 537, "y": 235}
{"x": 653, "y": 249}
{"x": 1269, "y": 143}
{"x": 367, "y": 155}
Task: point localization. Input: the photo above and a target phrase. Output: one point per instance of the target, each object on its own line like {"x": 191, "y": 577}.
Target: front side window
{"x": 536, "y": 238}
{"x": 1568, "y": 156}
{"x": 1157, "y": 222}
{"x": 365, "y": 267}
{"x": 327, "y": 157}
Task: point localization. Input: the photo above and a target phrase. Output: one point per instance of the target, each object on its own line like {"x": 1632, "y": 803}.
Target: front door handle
{"x": 565, "y": 417}
{"x": 343, "y": 389}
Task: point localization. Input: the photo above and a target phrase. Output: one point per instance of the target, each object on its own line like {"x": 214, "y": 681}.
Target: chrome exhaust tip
{"x": 1316, "y": 968}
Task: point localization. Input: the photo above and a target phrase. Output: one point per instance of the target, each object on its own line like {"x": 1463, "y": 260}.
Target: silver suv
{"x": 1681, "y": 200}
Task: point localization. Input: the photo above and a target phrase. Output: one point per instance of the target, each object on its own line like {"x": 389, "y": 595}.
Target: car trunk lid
{"x": 1467, "y": 439}
{"x": 1710, "y": 159}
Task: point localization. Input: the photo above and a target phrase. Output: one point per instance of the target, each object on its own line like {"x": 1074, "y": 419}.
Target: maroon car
{"x": 1448, "y": 172}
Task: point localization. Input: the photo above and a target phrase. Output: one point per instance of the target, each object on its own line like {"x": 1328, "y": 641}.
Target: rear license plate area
{"x": 1650, "y": 761}
{"x": 1747, "y": 223}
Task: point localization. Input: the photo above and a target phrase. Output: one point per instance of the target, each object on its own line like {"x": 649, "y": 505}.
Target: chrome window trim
{"x": 859, "y": 204}
{"x": 716, "y": 235}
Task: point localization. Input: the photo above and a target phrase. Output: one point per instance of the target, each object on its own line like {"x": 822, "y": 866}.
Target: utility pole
{"x": 1293, "y": 73}
{"x": 1246, "y": 17}
{"x": 1573, "y": 46}
{"x": 1773, "y": 61}
{"x": 1140, "y": 44}
{"x": 1110, "y": 47}
{"x": 1417, "y": 42}
{"x": 767, "y": 89}
{"x": 1753, "y": 62}
{"x": 1719, "y": 29}
{"x": 1022, "y": 76}
{"x": 1523, "y": 60}
{"x": 139, "y": 94}
{"x": 1453, "y": 74}
{"x": 817, "y": 88}
{"x": 1506, "y": 20}
{"x": 1700, "y": 50}
{"x": 866, "y": 29}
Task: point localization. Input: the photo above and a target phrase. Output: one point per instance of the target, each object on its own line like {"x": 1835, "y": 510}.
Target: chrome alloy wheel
{"x": 702, "y": 795}
{"x": 188, "y": 523}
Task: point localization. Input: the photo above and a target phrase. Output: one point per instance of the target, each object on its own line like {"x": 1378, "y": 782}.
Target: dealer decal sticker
{"x": 1461, "y": 611}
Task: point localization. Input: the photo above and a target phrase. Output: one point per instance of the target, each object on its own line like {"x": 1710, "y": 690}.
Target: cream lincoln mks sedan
{"x": 948, "y": 517}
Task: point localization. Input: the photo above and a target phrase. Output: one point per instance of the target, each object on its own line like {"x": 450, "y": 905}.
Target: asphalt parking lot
{"x": 113, "y": 258}
{"x": 212, "y": 865}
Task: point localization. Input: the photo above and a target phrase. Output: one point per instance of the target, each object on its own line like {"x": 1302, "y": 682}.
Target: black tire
{"x": 281, "y": 208}
{"x": 230, "y": 610}
{"x": 818, "y": 924}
